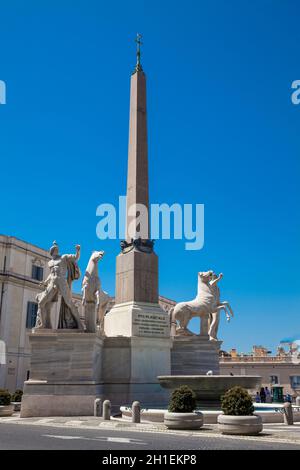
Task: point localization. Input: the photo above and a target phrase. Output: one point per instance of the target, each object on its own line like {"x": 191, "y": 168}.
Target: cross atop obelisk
{"x": 138, "y": 41}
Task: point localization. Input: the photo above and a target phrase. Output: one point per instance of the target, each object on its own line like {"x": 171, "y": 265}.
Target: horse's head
{"x": 205, "y": 276}
{"x": 97, "y": 255}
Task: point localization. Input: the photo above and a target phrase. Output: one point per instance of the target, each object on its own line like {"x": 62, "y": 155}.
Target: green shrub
{"x": 17, "y": 396}
{"x": 237, "y": 402}
{"x": 183, "y": 400}
{"x": 5, "y": 397}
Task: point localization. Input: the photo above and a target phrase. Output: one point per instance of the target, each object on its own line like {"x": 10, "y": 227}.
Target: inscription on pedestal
{"x": 147, "y": 324}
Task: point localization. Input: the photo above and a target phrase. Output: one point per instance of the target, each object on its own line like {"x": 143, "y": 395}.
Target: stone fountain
{"x": 209, "y": 388}
{"x": 134, "y": 355}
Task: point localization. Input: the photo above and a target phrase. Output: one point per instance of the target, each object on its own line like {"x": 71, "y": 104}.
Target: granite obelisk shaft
{"x": 137, "y": 174}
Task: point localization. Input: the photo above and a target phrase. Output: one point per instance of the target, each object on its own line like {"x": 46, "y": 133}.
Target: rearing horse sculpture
{"x": 206, "y": 305}
{"x": 94, "y": 299}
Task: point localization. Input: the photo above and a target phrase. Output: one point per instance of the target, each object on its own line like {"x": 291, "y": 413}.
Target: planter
{"x": 16, "y": 405}
{"x": 246, "y": 425}
{"x": 183, "y": 420}
{"x": 6, "y": 410}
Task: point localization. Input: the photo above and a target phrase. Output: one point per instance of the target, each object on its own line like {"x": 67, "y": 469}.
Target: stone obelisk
{"x": 137, "y": 264}
{"x": 137, "y": 315}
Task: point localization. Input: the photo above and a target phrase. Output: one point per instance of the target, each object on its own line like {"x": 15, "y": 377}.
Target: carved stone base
{"x": 130, "y": 370}
{"x": 194, "y": 355}
{"x": 141, "y": 319}
{"x": 65, "y": 374}
{"x": 69, "y": 369}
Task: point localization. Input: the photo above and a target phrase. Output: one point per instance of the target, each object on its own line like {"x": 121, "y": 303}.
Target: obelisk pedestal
{"x": 136, "y": 292}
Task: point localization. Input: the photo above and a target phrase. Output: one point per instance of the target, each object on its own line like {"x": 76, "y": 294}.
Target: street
{"x": 38, "y": 437}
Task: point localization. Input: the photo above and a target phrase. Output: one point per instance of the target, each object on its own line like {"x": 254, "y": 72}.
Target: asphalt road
{"x": 18, "y": 436}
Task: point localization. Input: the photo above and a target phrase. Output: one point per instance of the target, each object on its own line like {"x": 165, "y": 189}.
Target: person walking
{"x": 268, "y": 395}
{"x": 262, "y": 395}
{"x": 288, "y": 398}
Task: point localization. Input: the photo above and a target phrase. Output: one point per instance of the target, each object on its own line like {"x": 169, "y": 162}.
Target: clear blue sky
{"x": 222, "y": 131}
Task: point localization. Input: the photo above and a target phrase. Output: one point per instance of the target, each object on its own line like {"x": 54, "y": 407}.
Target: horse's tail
{"x": 173, "y": 323}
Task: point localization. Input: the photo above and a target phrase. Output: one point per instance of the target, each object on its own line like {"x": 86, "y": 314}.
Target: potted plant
{"x": 6, "y": 409}
{"x": 180, "y": 414}
{"x": 238, "y": 417}
{"x": 16, "y": 399}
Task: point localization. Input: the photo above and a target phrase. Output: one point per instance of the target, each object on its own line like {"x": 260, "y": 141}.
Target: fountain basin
{"x": 210, "y": 388}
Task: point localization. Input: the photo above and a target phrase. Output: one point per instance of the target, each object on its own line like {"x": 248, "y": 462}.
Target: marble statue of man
{"x": 63, "y": 271}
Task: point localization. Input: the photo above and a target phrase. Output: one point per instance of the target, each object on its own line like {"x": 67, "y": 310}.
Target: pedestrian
{"x": 268, "y": 395}
{"x": 288, "y": 398}
{"x": 262, "y": 395}
{"x": 257, "y": 397}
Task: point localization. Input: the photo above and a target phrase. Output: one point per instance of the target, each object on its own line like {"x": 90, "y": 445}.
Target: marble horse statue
{"x": 94, "y": 299}
{"x": 206, "y": 306}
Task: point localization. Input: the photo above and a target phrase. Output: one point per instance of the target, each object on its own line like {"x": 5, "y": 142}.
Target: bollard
{"x": 106, "y": 410}
{"x": 97, "y": 407}
{"x": 298, "y": 401}
{"x": 136, "y": 412}
{"x": 288, "y": 414}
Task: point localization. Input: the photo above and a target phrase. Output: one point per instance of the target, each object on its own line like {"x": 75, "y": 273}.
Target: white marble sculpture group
{"x": 64, "y": 270}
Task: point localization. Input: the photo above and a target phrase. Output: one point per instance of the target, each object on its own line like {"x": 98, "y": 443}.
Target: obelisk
{"x": 137, "y": 329}
{"x": 137, "y": 264}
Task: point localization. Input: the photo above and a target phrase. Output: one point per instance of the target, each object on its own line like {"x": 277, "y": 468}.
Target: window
{"x": 32, "y": 308}
{"x": 295, "y": 381}
{"x": 274, "y": 379}
{"x": 37, "y": 273}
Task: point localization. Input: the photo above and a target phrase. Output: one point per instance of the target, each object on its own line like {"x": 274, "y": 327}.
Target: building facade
{"x": 22, "y": 267}
{"x": 282, "y": 368}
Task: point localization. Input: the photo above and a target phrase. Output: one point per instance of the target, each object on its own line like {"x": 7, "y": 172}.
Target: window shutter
{"x": 37, "y": 273}
{"x": 32, "y": 308}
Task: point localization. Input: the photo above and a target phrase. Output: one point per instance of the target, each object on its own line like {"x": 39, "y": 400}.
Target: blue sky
{"x": 222, "y": 131}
